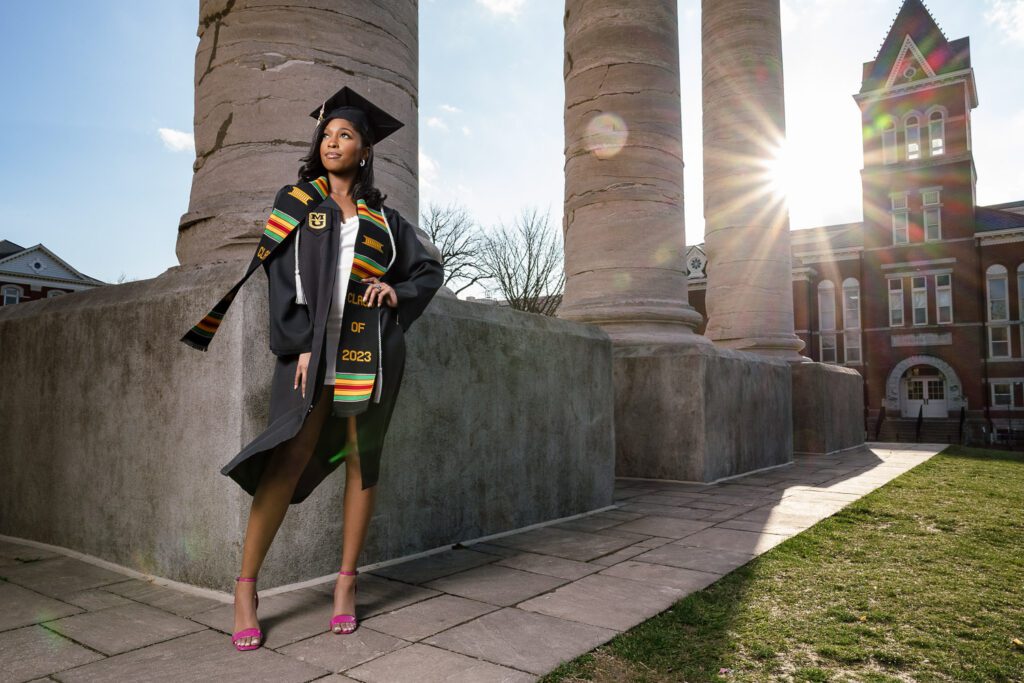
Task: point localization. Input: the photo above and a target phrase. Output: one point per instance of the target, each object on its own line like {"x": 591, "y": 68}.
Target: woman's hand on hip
{"x": 379, "y": 291}
{"x": 300, "y": 371}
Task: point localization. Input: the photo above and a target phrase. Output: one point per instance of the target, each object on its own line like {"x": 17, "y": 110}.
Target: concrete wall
{"x": 112, "y": 432}
{"x": 828, "y": 408}
{"x": 700, "y": 413}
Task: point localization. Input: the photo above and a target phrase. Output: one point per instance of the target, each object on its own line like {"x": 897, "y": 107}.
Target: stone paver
{"x": 434, "y": 566}
{"x": 605, "y": 601}
{"x": 573, "y": 545}
{"x": 502, "y": 586}
{"x": 546, "y": 564}
{"x": 34, "y": 651}
{"x": 339, "y": 651}
{"x": 59, "y": 576}
{"x": 523, "y": 640}
{"x": 508, "y": 609}
{"x": 203, "y": 656}
{"x": 22, "y": 607}
{"x": 419, "y": 663}
{"x": 427, "y": 617}
{"x": 165, "y": 598}
{"x": 120, "y": 629}
{"x": 375, "y": 594}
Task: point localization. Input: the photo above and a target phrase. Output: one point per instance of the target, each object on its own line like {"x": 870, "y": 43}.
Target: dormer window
{"x": 937, "y": 133}
{"x": 913, "y": 135}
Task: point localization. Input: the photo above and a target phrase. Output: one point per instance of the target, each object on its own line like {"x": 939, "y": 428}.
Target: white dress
{"x": 349, "y": 229}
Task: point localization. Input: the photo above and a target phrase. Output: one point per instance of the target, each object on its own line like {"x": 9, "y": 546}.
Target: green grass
{"x": 920, "y": 580}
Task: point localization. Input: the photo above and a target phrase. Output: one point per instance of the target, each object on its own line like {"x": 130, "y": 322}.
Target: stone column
{"x": 260, "y": 69}
{"x": 746, "y": 235}
{"x": 624, "y": 240}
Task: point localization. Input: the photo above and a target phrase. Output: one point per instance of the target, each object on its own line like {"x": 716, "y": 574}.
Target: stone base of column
{"x": 113, "y": 433}
{"x": 700, "y": 413}
{"x": 828, "y": 408}
{"x": 649, "y": 321}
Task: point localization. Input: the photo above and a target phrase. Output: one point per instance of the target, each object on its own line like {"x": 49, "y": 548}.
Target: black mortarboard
{"x": 350, "y": 105}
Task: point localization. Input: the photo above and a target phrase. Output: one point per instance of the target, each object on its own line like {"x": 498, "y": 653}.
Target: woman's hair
{"x": 362, "y": 187}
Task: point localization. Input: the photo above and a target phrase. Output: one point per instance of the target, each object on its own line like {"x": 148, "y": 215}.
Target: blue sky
{"x": 87, "y": 172}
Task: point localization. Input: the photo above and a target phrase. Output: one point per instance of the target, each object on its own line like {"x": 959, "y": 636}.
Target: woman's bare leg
{"x": 358, "y": 507}
{"x": 273, "y": 495}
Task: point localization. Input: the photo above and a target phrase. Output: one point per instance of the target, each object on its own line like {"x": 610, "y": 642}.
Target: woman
{"x": 347, "y": 276}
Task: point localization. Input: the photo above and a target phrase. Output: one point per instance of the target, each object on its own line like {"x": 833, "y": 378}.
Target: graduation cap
{"x": 350, "y": 105}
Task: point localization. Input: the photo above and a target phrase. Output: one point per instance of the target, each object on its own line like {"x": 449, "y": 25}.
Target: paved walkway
{"x": 509, "y": 609}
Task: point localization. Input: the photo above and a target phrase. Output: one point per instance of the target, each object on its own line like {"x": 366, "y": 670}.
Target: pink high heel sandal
{"x": 247, "y": 632}
{"x": 339, "y": 619}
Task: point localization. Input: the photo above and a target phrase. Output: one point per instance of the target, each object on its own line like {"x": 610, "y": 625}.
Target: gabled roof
{"x": 916, "y": 22}
{"x": 987, "y": 219}
{"x": 54, "y": 267}
{"x": 7, "y": 248}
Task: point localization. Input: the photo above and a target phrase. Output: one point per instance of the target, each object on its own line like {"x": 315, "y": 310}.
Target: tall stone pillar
{"x": 624, "y": 240}
{"x": 749, "y": 288}
{"x": 260, "y": 70}
{"x": 682, "y": 405}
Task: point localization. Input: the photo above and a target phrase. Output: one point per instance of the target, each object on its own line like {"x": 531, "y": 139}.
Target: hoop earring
{"x": 363, "y": 162}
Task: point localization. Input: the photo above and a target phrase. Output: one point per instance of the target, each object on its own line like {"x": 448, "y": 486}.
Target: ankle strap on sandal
{"x": 244, "y": 578}
{"x": 349, "y": 573}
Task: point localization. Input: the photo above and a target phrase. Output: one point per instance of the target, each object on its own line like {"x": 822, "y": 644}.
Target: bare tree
{"x": 524, "y": 263}
{"x": 457, "y": 236}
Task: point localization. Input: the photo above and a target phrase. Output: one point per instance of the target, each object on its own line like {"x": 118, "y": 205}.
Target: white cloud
{"x": 507, "y": 7}
{"x": 466, "y": 131}
{"x": 429, "y": 173}
{"x": 437, "y": 122}
{"x": 177, "y": 140}
{"x": 450, "y": 108}
{"x": 1008, "y": 17}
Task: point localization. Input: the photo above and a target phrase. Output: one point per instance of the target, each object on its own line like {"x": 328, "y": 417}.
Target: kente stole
{"x": 357, "y": 365}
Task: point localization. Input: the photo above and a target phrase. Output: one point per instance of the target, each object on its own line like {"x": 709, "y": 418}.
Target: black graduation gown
{"x": 297, "y": 328}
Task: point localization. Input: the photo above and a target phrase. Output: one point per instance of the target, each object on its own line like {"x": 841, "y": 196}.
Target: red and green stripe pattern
{"x": 279, "y": 225}
{"x": 321, "y": 186}
{"x": 352, "y": 387}
{"x": 376, "y": 217}
{"x": 364, "y": 266}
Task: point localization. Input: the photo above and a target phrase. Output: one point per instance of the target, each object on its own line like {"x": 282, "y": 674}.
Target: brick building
{"x": 925, "y": 296}
{"x": 37, "y": 273}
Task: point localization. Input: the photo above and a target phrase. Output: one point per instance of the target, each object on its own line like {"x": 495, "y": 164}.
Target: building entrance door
{"x": 926, "y": 392}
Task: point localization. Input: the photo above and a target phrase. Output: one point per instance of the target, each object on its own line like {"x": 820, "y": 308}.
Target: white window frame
{"x": 995, "y": 273}
{"x": 912, "y": 136}
{"x": 900, "y": 203}
{"x": 940, "y": 291}
{"x": 851, "y": 321}
{"x": 13, "y": 291}
{"x": 934, "y": 208}
{"x": 896, "y": 291}
{"x": 827, "y": 333}
{"x": 1008, "y": 393}
{"x": 914, "y": 291}
{"x": 936, "y": 150}
{"x": 1020, "y": 303}
{"x": 890, "y": 150}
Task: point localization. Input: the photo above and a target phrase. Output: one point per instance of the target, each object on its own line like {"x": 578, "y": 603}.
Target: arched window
{"x": 912, "y": 127}
{"x": 827, "y": 321}
{"x": 889, "y": 155}
{"x": 937, "y": 133}
{"x": 851, "y": 320}
{"x": 998, "y": 312}
{"x": 12, "y": 294}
